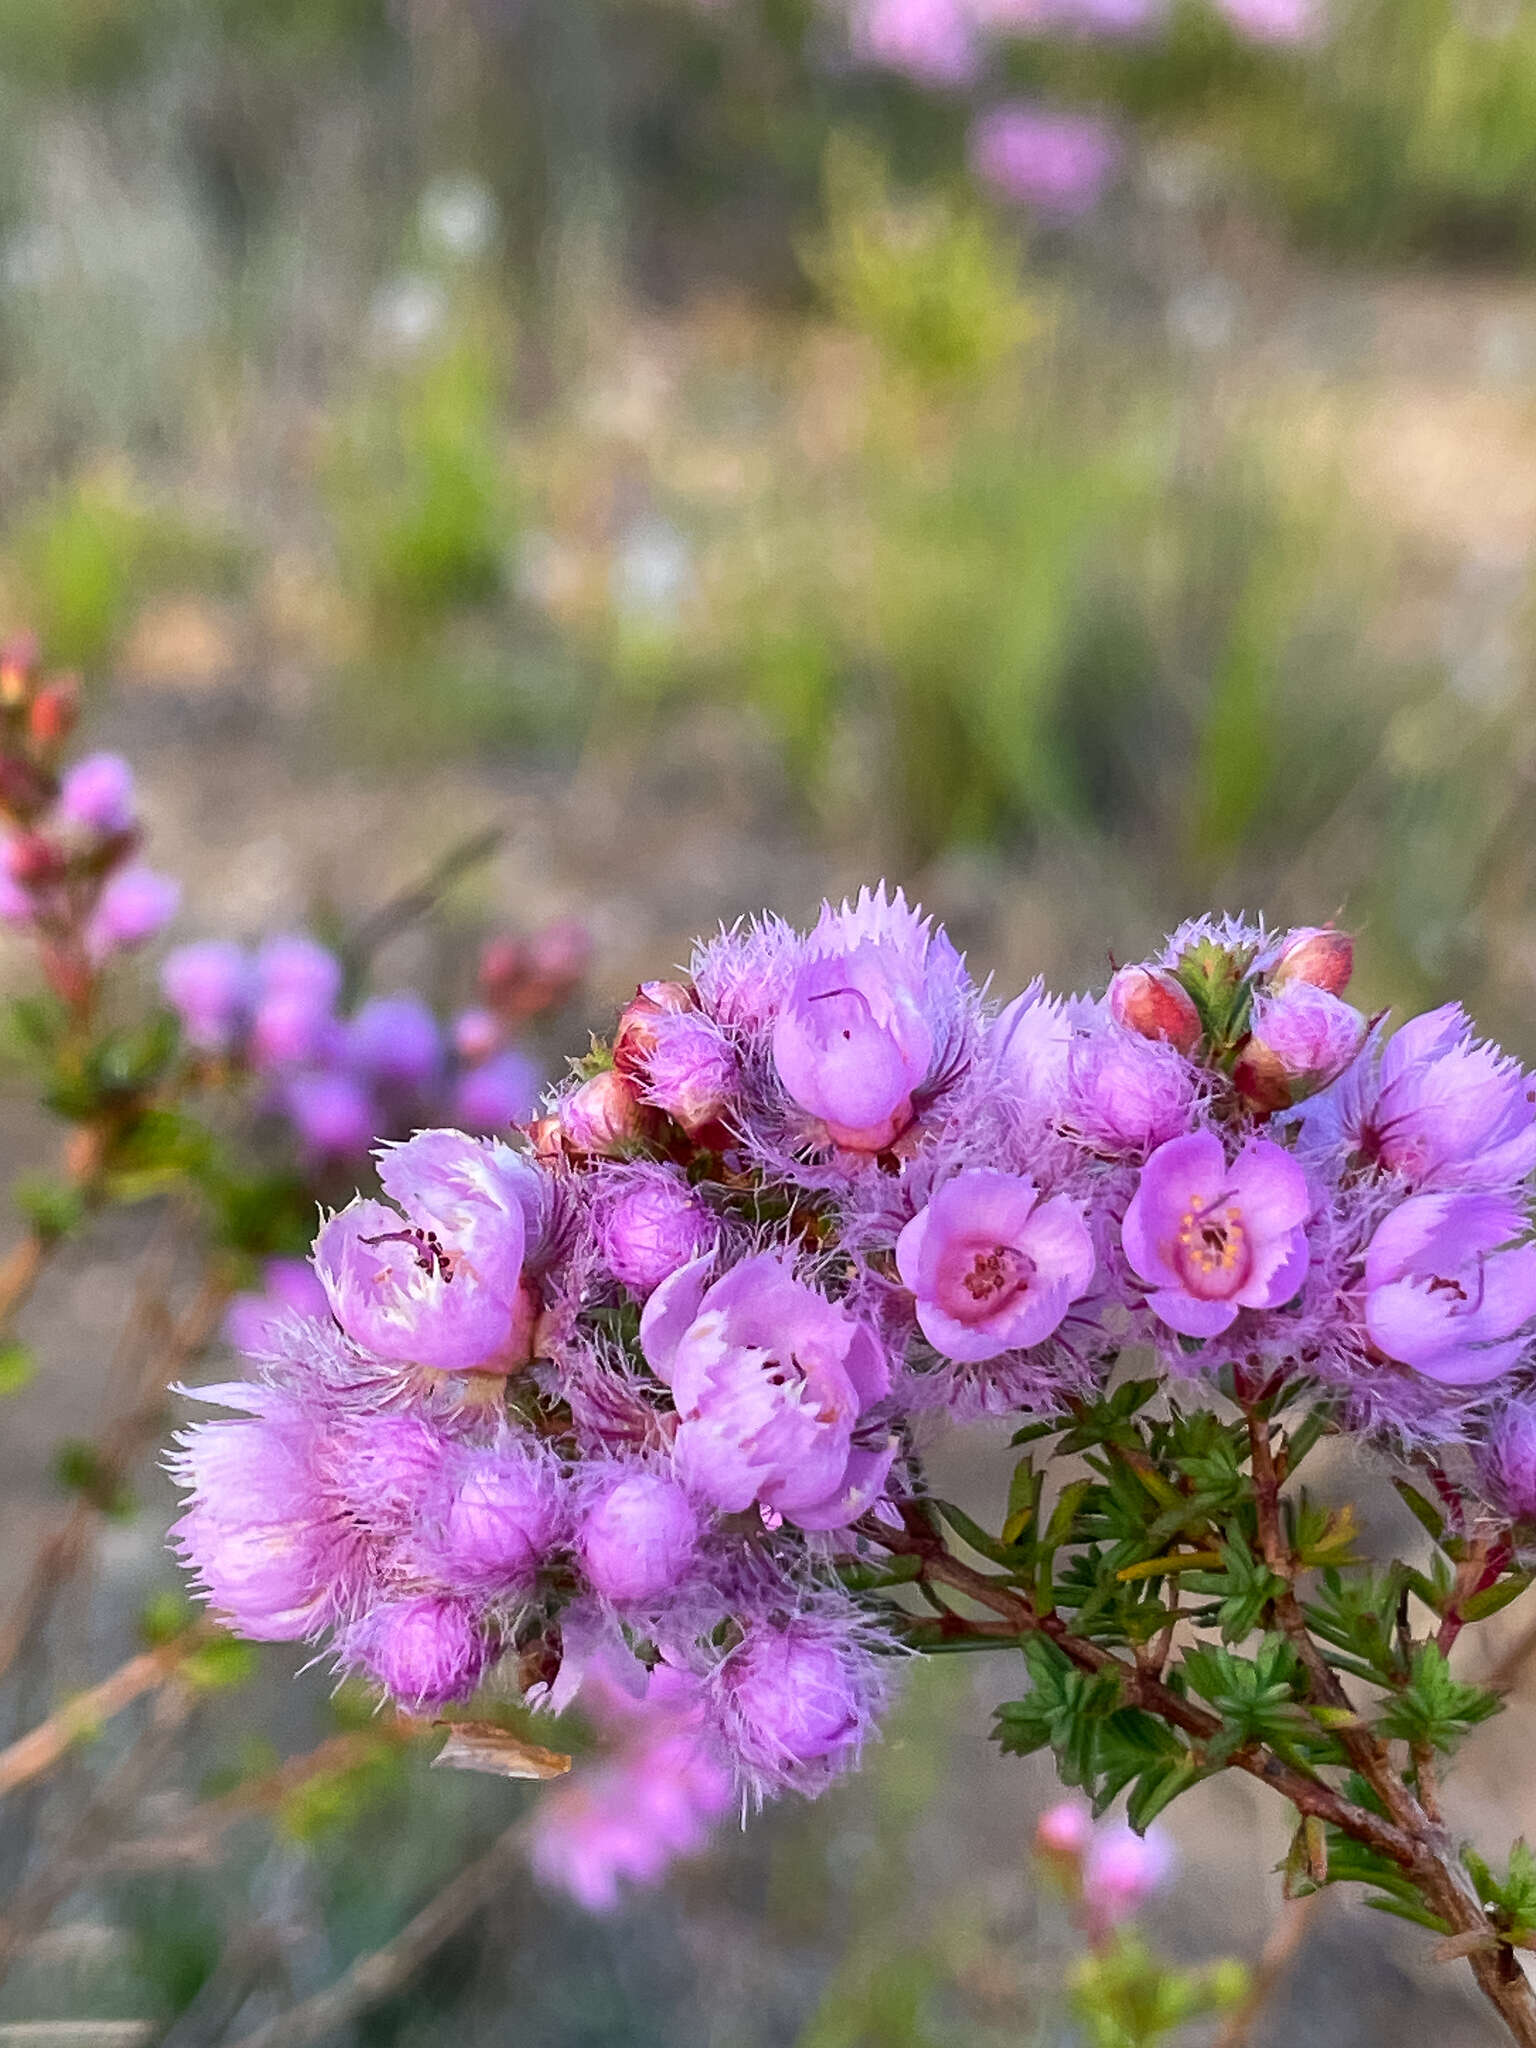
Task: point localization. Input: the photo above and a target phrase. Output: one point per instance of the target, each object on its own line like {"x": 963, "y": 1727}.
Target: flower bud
{"x": 1150, "y": 1002}
{"x": 1301, "y": 1039}
{"x": 546, "y": 1136}
{"x": 1319, "y": 955}
{"x": 1121, "y": 1870}
{"x": 498, "y": 1092}
{"x": 692, "y": 1072}
{"x": 135, "y": 904}
{"x": 25, "y": 788}
{"x": 639, "y": 1539}
{"x": 18, "y": 663}
{"x": 560, "y": 953}
{"x": 1064, "y": 1830}
{"x": 634, "y": 1037}
{"x": 1507, "y": 1459}
{"x": 795, "y": 1697}
{"x": 332, "y": 1113}
{"x": 651, "y": 1227}
{"x": 604, "y": 1114}
{"x": 476, "y": 1034}
{"x": 504, "y": 1518}
{"x": 97, "y": 795}
{"x": 424, "y": 1652}
{"x": 32, "y": 860}
{"x": 208, "y": 985}
{"x": 53, "y": 711}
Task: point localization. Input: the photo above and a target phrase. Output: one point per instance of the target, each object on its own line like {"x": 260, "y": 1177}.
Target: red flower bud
{"x": 18, "y": 661}
{"x": 1316, "y": 954}
{"x": 1261, "y": 1078}
{"x": 634, "y": 1037}
{"x": 503, "y": 964}
{"x": 52, "y": 713}
{"x": 1150, "y": 1002}
{"x": 604, "y": 1114}
{"x": 32, "y": 860}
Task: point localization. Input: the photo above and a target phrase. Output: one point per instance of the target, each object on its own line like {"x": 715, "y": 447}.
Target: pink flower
{"x": 770, "y": 1381}
{"x": 1057, "y": 162}
{"x": 993, "y": 1267}
{"x": 931, "y": 41}
{"x": 1121, "y": 1870}
{"x": 1210, "y": 1238}
{"x": 1442, "y": 1296}
{"x": 639, "y": 1536}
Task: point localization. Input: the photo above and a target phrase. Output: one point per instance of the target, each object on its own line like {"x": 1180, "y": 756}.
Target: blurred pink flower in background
{"x": 1058, "y": 162}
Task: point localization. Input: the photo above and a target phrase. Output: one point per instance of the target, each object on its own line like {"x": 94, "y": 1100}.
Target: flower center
{"x": 1214, "y": 1249}
{"x": 982, "y": 1279}
{"x": 431, "y": 1254}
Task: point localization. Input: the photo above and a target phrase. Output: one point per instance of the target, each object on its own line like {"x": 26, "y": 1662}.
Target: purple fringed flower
{"x": 135, "y": 903}
{"x": 297, "y": 983}
{"x": 209, "y": 986}
{"x": 332, "y": 1114}
{"x": 647, "y": 1223}
{"x": 1058, "y": 162}
{"x": 395, "y": 1041}
{"x": 653, "y": 1799}
{"x": 1210, "y": 1238}
{"x": 424, "y": 1651}
{"x": 1449, "y": 1111}
{"x": 856, "y": 1038}
{"x": 96, "y": 795}
{"x": 438, "y": 1285}
{"x": 928, "y": 41}
{"x": 1442, "y": 1296}
{"x": 691, "y": 1072}
{"x": 1301, "y": 1038}
{"x": 639, "y": 1535}
{"x": 992, "y": 1267}
{"x": 1507, "y": 1458}
{"x": 798, "y": 1701}
{"x": 1124, "y": 1095}
{"x": 259, "y": 1530}
{"x": 503, "y": 1513}
{"x": 771, "y": 1381}
{"x": 500, "y": 1092}
{"x": 252, "y": 1321}
{"x": 743, "y": 975}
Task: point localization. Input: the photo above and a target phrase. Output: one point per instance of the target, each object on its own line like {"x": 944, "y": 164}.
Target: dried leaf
{"x": 482, "y": 1746}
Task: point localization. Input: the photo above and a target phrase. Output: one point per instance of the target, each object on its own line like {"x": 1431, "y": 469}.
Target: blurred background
{"x": 1074, "y": 457}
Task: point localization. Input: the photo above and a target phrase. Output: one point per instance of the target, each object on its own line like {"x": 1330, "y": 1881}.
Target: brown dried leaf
{"x": 482, "y": 1746}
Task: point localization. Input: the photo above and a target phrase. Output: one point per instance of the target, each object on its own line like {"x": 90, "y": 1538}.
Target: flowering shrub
{"x": 636, "y": 1407}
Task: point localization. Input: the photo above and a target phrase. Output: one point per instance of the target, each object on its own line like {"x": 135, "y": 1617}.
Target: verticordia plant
{"x": 640, "y": 1401}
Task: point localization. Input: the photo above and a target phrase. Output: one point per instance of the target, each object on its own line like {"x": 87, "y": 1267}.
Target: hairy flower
{"x": 691, "y": 1071}
{"x": 770, "y": 1381}
{"x": 395, "y": 1040}
{"x": 930, "y": 41}
{"x": 856, "y": 1038}
{"x": 1058, "y": 162}
{"x": 798, "y": 1701}
{"x": 1301, "y": 1038}
{"x": 639, "y": 1535}
{"x": 424, "y": 1651}
{"x": 1121, "y": 1870}
{"x": 498, "y": 1093}
{"x": 647, "y": 1222}
{"x": 209, "y": 986}
{"x": 1210, "y": 1237}
{"x": 1442, "y": 1296}
{"x": 135, "y": 903}
{"x": 1442, "y": 1108}
{"x": 96, "y": 795}
{"x": 438, "y": 1284}
{"x": 992, "y": 1267}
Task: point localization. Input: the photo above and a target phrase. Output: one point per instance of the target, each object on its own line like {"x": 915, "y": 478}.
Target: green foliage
{"x": 929, "y": 280}
{"x": 1433, "y": 1709}
{"x": 90, "y": 552}
{"x": 18, "y": 1367}
{"x": 1124, "y": 1996}
{"x": 1512, "y": 1898}
{"x": 79, "y": 1467}
{"x": 52, "y": 1207}
{"x": 422, "y": 501}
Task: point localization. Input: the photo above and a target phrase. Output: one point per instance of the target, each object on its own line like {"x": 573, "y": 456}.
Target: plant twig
{"x": 382, "y": 1972}
{"x": 81, "y": 1717}
{"x": 1279, "y": 1951}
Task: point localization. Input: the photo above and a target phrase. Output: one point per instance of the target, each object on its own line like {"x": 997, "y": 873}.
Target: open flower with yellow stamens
{"x": 1211, "y": 1236}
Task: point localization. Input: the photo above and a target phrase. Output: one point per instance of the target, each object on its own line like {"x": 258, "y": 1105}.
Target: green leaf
{"x": 1422, "y": 1508}
{"x": 18, "y": 1368}
{"x": 79, "y": 1467}
{"x": 1435, "y": 1708}
{"x": 1024, "y": 1490}
{"x": 52, "y": 1207}
{"x": 220, "y": 1665}
{"x": 1492, "y": 1598}
{"x": 972, "y": 1533}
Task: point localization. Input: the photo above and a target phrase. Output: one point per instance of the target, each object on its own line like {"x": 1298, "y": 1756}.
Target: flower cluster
{"x": 70, "y": 872}
{"x": 1057, "y": 161}
{"x": 343, "y": 1077}
{"x": 637, "y": 1404}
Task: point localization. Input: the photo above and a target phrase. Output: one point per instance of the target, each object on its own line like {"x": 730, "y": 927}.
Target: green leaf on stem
{"x": 1433, "y": 1708}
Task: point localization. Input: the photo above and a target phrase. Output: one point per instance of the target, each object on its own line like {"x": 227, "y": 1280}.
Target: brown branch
{"x": 1279, "y": 1951}
{"x": 80, "y": 1718}
{"x": 384, "y": 1971}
